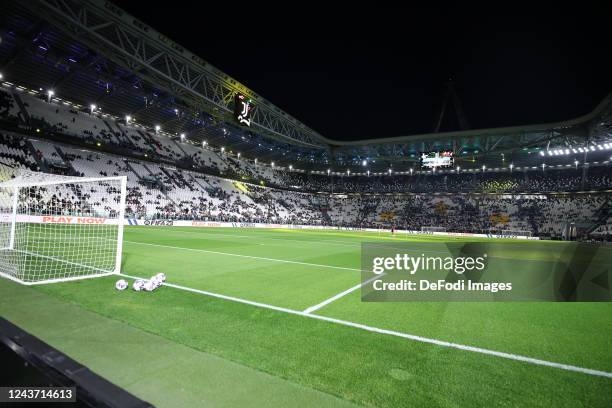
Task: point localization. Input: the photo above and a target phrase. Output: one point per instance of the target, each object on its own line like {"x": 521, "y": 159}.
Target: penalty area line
{"x": 340, "y": 295}
{"x": 261, "y": 258}
{"x": 412, "y": 337}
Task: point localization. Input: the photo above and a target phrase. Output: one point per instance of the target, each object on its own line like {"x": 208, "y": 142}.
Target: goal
{"x": 59, "y": 228}
{"x": 511, "y": 233}
{"x": 430, "y": 229}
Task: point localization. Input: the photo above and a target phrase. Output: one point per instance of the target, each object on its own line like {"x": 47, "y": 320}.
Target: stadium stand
{"x": 92, "y": 129}
{"x": 172, "y": 178}
{"x": 159, "y": 191}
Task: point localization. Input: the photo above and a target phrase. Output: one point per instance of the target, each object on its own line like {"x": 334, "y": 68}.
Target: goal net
{"x": 433, "y": 229}
{"x": 511, "y": 233}
{"x": 58, "y": 228}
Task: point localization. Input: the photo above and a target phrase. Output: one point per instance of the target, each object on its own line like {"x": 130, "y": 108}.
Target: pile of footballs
{"x": 143, "y": 284}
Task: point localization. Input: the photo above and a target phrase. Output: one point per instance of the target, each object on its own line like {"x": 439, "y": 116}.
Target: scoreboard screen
{"x": 243, "y": 108}
{"x": 437, "y": 159}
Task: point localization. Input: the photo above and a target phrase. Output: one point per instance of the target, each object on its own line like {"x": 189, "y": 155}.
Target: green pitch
{"x": 182, "y": 348}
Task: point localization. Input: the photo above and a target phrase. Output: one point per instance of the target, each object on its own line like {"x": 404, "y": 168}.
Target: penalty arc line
{"x": 508, "y": 356}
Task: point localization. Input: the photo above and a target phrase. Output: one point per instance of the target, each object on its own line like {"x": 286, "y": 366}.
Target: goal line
{"x": 407, "y": 336}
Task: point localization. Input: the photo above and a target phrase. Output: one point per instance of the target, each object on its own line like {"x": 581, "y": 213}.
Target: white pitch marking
{"x": 245, "y": 256}
{"x": 218, "y": 234}
{"x": 340, "y": 295}
{"x": 508, "y": 356}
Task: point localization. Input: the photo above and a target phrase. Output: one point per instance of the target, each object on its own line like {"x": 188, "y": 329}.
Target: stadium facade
{"x": 89, "y": 90}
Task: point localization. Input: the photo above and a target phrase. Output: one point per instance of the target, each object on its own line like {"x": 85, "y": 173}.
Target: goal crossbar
{"x": 28, "y": 182}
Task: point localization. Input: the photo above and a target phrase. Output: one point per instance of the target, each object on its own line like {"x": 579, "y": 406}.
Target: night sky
{"x": 360, "y": 74}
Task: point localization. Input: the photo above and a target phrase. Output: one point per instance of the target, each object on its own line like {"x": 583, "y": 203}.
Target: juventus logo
{"x": 243, "y": 109}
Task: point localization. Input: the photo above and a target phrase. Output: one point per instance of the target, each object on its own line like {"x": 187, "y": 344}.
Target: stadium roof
{"x": 91, "y": 51}
{"x": 592, "y": 128}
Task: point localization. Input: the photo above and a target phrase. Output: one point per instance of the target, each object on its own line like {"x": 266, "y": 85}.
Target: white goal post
{"x": 61, "y": 228}
{"x": 511, "y": 233}
{"x": 433, "y": 229}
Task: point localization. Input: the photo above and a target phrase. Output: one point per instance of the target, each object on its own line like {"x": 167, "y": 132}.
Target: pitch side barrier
{"x": 59, "y": 219}
{"x": 219, "y": 224}
{"x": 63, "y": 219}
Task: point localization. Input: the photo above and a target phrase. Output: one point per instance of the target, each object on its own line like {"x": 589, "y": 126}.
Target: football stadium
{"x": 171, "y": 238}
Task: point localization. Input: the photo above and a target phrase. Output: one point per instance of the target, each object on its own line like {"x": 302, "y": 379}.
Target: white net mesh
{"x": 433, "y": 229}
{"x": 55, "y": 228}
{"x": 512, "y": 233}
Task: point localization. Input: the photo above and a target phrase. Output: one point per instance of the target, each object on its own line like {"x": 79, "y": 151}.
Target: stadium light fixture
{"x": 50, "y": 94}
{"x": 92, "y": 107}
{"x": 256, "y": 160}
{"x": 511, "y": 167}
{"x": 543, "y": 166}
{"x": 600, "y": 147}
{"x": 458, "y": 169}
{"x": 222, "y": 149}
{"x": 541, "y": 153}
{"x": 182, "y": 137}
{"x": 1, "y": 76}
{"x": 483, "y": 167}
{"x": 328, "y": 171}
{"x": 290, "y": 167}
{"x": 592, "y": 148}
{"x": 364, "y": 163}
{"x": 157, "y": 128}
{"x": 368, "y": 173}
{"x": 128, "y": 118}
{"x": 238, "y": 155}
{"x": 576, "y": 163}
{"x": 390, "y": 171}
{"x": 204, "y": 143}
{"x": 411, "y": 170}
{"x": 574, "y": 150}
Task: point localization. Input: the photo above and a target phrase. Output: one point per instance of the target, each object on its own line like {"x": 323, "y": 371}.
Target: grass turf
{"x": 363, "y": 367}
{"x": 159, "y": 370}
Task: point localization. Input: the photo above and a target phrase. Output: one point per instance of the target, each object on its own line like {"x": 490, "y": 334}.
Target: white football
{"x": 150, "y": 286}
{"x": 121, "y": 284}
{"x": 138, "y": 285}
